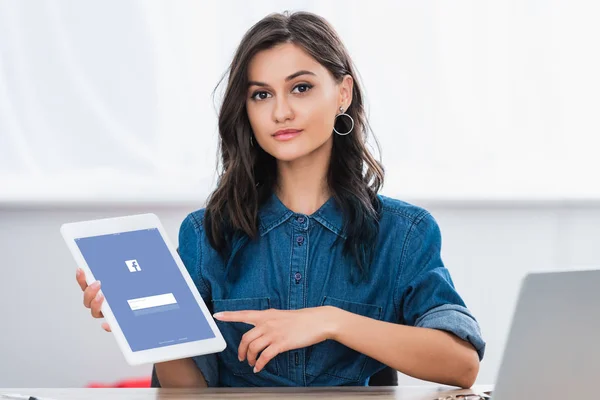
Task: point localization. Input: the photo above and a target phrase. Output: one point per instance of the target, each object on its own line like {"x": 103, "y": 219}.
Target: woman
{"x": 314, "y": 277}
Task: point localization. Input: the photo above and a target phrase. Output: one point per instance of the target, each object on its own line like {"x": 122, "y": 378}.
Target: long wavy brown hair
{"x": 247, "y": 174}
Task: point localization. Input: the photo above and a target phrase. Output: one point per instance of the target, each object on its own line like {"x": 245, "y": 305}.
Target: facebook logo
{"x": 133, "y": 265}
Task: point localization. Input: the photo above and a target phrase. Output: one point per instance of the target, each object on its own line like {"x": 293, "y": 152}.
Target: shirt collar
{"x": 273, "y": 213}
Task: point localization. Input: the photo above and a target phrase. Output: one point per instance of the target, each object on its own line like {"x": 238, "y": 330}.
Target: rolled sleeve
{"x": 425, "y": 294}
{"x": 457, "y": 320}
{"x": 209, "y": 366}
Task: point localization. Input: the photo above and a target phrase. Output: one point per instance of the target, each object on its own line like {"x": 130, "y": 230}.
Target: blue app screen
{"x": 145, "y": 289}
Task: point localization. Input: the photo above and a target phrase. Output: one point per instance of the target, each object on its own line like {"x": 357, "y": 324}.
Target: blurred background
{"x": 486, "y": 113}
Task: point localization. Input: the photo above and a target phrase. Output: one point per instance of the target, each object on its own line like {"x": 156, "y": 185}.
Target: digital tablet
{"x": 150, "y": 301}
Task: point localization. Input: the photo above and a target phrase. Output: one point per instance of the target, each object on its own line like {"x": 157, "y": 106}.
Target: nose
{"x": 282, "y": 110}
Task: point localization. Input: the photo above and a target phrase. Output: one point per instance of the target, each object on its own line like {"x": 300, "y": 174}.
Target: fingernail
{"x": 78, "y": 272}
{"x": 254, "y": 370}
{"x": 96, "y": 284}
{"x": 217, "y": 315}
{"x": 99, "y": 296}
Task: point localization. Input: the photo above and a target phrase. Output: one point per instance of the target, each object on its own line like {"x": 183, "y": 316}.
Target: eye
{"x": 302, "y": 88}
{"x": 260, "y": 95}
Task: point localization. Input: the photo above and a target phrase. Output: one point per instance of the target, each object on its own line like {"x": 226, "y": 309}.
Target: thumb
{"x": 106, "y": 327}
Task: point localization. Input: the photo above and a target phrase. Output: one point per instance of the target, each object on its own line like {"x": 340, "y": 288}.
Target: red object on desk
{"x": 126, "y": 383}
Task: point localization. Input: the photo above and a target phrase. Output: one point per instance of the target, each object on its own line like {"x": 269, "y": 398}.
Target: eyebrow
{"x": 289, "y": 78}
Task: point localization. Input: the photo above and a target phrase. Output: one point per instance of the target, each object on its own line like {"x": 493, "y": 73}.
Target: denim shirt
{"x": 291, "y": 265}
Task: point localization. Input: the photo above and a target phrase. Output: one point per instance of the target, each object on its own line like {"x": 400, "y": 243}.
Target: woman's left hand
{"x": 276, "y": 331}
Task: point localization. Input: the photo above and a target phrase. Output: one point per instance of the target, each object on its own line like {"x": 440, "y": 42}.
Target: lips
{"x": 286, "y": 134}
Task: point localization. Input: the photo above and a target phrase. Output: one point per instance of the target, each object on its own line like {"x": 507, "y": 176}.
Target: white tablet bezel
{"x": 76, "y": 230}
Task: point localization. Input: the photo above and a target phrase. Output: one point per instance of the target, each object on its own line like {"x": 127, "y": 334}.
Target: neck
{"x": 302, "y": 183}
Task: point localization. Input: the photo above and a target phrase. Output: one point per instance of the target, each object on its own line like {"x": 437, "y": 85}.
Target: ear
{"x": 346, "y": 92}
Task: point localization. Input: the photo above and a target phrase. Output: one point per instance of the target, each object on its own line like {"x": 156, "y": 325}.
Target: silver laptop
{"x": 553, "y": 348}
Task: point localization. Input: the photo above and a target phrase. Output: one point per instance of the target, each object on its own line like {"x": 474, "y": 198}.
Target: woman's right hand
{"x": 92, "y": 298}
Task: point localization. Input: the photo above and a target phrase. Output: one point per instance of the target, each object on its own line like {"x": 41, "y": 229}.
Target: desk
{"x": 334, "y": 393}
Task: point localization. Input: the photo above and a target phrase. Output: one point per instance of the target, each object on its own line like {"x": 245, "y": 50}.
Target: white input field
{"x": 152, "y": 301}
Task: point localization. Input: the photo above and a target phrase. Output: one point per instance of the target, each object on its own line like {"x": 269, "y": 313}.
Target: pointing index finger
{"x": 248, "y": 317}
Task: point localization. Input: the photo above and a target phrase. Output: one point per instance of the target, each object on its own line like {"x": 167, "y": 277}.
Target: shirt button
{"x": 300, "y": 240}
{"x": 301, "y": 220}
{"x": 297, "y": 276}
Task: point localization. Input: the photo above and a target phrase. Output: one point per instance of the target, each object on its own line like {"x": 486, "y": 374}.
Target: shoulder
{"x": 414, "y": 224}
{"x": 400, "y": 218}
{"x": 192, "y": 228}
{"x": 402, "y": 211}
{"x": 194, "y": 219}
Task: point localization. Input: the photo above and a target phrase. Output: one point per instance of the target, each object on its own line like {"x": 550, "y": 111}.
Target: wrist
{"x": 333, "y": 319}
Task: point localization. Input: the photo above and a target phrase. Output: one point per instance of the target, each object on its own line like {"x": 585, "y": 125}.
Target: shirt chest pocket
{"x": 233, "y": 332}
{"x": 335, "y": 359}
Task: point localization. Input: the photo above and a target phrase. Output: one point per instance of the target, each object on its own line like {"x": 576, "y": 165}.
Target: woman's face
{"x": 292, "y": 101}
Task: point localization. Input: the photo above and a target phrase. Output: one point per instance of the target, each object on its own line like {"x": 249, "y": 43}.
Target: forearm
{"x": 179, "y": 374}
{"x": 427, "y": 354}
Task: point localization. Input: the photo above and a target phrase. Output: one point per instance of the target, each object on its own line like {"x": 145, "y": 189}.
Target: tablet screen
{"x": 145, "y": 289}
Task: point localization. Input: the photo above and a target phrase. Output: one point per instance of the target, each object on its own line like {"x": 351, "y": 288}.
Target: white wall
{"x": 48, "y": 339}
{"x": 477, "y": 99}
